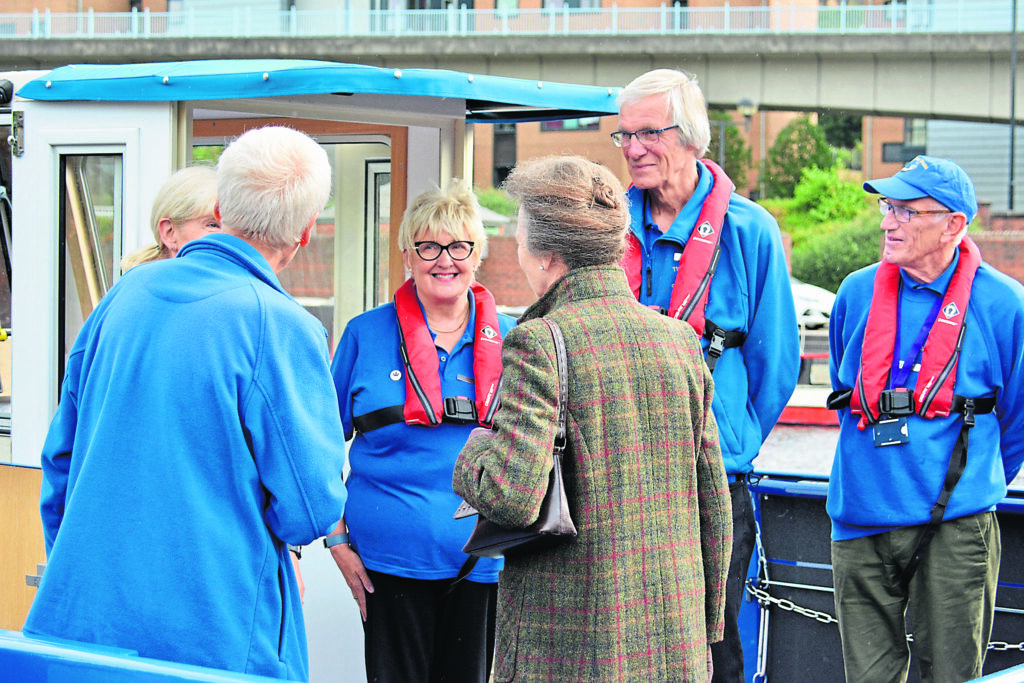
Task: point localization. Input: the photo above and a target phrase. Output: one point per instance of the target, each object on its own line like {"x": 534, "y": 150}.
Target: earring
{"x": 542, "y": 267}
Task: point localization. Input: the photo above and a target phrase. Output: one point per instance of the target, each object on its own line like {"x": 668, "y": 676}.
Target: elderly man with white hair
{"x": 197, "y": 435}
{"x": 927, "y": 364}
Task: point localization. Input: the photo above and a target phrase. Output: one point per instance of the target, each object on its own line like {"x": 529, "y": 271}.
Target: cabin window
{"x": 90, "y": 237}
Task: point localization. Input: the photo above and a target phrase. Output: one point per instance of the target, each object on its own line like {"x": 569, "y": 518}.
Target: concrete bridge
{"x": 957, "y": 76}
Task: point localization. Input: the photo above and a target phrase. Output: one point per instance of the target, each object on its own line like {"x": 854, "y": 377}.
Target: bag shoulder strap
{"x": 562, "y": 366}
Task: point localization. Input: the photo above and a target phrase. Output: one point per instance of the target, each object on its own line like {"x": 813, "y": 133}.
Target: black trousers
{"x": 728, "y": 654}
{"x": 418, "y": 630}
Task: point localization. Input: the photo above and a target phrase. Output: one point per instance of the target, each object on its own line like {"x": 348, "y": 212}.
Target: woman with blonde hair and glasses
{"x": 182, "y": 211}
{"x": 638, "y": 595}
{"x": 414, "y": 377}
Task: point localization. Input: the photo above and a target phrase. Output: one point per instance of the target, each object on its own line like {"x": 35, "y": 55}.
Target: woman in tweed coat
{"x": 638, "y": 595}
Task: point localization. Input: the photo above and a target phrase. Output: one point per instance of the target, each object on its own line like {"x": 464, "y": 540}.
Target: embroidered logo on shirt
{"x": 396, "y": 375}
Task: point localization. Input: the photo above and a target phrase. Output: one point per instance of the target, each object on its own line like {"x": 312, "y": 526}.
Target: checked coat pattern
{"x": 639, "y": 594}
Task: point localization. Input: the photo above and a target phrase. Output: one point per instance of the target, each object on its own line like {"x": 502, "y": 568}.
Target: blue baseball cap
{"x": 941, "y": 179}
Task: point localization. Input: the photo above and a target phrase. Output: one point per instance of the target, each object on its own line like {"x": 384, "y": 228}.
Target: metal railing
{"x": 912, "y": 16}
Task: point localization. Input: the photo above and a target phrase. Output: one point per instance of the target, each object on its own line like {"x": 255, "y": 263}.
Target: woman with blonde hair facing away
{"x": 414, "y": 377}
{"x": 182, "y": 211}
{"x": 638, "y": 595}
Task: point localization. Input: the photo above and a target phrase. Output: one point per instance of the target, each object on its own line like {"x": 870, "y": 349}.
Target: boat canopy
{"x": 489, "y": 99}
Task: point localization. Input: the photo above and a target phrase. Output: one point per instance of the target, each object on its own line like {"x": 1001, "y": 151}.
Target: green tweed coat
{"x": 640, "y": 593}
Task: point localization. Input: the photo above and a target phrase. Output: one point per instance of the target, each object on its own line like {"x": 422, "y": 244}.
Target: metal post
{"x": 721, "y": 143}
{"x": 1013, "y": 102}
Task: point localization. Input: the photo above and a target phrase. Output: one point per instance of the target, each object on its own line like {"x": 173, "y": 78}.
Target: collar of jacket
{"x": 238, "y": 251}
{"x": 591, "y": 282}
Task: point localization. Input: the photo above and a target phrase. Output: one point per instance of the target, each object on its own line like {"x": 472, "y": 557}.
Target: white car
{"x": 813, "y": 304}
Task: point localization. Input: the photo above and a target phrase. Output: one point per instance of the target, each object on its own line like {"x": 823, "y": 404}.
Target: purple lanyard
{"x": 901, "y": 370}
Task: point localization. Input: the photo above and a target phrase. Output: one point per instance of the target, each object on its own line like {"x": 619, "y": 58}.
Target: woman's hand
{"x": 352, "y": 568}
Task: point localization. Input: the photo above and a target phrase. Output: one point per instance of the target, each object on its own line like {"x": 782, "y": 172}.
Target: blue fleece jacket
{"x": 197, "y": 434}
{"x": 750, "y": 292}
{"x": 872, "y": 490}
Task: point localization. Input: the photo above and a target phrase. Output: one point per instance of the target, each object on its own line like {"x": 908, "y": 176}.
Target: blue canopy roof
{"x": 488, "y": 98}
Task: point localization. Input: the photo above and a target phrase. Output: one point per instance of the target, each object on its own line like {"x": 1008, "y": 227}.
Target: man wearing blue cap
{"x": 927, "y": 357}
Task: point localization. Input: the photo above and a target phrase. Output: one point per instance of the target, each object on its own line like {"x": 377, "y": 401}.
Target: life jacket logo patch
{"x": 489, "y": 332}
{"x": 950, "y": 310}
{"x": 705, "y": 229}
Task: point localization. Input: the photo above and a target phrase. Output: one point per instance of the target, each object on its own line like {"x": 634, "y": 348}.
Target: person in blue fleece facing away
{"x": 701, "y": 253}
{"x": 198, "y": 432}
{"x": 927, "y": 365}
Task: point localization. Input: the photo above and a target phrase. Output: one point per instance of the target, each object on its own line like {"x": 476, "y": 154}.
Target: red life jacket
{"x": 700, "y": 255}
{"x": 424, "y": 404}
{"x": 933, "y": 394}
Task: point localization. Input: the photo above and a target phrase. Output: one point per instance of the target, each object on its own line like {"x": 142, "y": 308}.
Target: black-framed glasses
{"x": 460, "y": 250}
{"x": 903, "y": 214}
{"x": 647, "y": 137}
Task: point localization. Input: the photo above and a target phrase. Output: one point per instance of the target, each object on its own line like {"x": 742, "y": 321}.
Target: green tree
{"x": 737, "y": 152}
{"x": 800, "y": 145}
{"x": 841, "y": 130}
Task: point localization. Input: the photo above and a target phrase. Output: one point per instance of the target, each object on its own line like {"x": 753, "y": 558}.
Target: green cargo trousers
{"x": 950, "y": 601}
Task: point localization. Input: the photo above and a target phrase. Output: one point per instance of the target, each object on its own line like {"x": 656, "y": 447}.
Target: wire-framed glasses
{"x": 647, "y": 137}
{"x": 459, "y": 250}
{"x": 903, "y": 214}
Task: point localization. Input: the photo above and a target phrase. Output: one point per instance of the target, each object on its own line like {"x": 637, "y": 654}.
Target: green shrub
{"x": 824, "y": 196}
{"x": 833, "y": 225}
{"x": 825, "y": 259}
{"x": 496, "y": 200}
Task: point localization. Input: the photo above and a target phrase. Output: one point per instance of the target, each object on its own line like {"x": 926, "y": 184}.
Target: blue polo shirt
{"x": 400, "y": 498}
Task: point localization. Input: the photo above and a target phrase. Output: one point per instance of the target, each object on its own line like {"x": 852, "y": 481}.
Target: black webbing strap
{"x": 720, "y": 340}
{"x": 457, "y": 410}
{"x": 968, "y": 407}
{"x": 375, "y": 419}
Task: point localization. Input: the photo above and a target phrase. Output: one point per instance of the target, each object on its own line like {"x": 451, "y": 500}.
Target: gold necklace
{"x": 454, "y": 329}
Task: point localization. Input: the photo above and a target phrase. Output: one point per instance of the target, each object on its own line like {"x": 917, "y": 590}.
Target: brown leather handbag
{"x": 554, "y": 523}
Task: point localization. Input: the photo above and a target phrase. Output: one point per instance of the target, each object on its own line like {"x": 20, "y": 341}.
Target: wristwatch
{"x": 335, "y": 539}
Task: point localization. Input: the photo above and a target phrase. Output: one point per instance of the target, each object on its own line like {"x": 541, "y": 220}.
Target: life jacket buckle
{"x": 716, "y": 344}
{"x": 896, "y": 402}
{"x": 969, "y": 413}
{"x": 459, "y": 409}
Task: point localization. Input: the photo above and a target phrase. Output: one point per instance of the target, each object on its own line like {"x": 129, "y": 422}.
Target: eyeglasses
{"x": 647, "y": 137}
{"x": 431, "y": 251}
{"x": 902, "y": 214}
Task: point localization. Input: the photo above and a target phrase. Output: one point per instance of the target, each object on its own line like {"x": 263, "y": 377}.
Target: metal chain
{"x": 764, "y": 597}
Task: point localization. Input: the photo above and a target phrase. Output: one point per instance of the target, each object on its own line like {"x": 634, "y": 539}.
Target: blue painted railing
{"x": 912, "y": 16}
{"x": 30, "y": 659}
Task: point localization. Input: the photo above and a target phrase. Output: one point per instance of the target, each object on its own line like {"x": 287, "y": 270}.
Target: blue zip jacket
{"x": 400, "y": 497}
{"x": 873, "y": 490}
{"x": 197, "y": 434}
{"x": 750, "y": 292}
